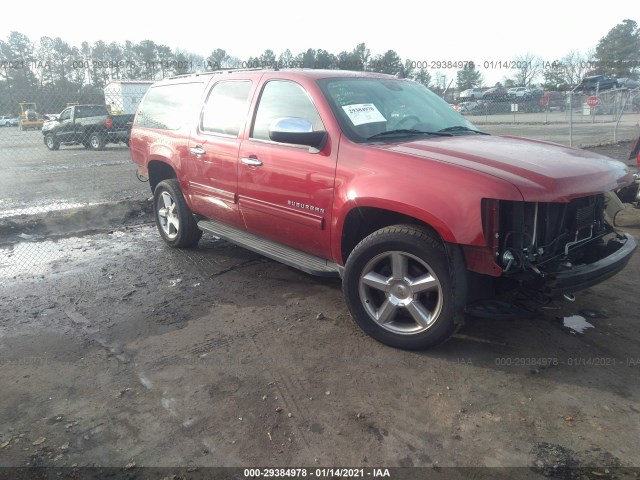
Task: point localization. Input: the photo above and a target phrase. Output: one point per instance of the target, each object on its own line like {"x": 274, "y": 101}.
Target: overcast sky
{"x": 426, "y": 31}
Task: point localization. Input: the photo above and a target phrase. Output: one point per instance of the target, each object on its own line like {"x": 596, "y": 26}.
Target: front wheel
{"x": 51, "y": 142}
{"x": 174, "y": 220}
{"x": 96, "y": 142}
{"x": 405, "y": 288}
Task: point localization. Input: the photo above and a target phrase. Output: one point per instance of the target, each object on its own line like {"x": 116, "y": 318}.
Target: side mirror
{"x": 296, "y": 131}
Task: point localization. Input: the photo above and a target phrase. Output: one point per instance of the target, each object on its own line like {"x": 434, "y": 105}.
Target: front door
{"x": 65, "y": 131}
{"x": 286, "y": 191}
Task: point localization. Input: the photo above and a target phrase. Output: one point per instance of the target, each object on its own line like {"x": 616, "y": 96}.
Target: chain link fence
{"x": 52, "y": 190}
{"x": 573, "y": 119}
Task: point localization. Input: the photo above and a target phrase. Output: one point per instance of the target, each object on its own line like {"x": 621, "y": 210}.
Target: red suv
{"x": 380, "y": 181}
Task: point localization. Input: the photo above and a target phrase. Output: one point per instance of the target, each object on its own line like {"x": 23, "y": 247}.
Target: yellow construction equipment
{"x": 29, "y": 117}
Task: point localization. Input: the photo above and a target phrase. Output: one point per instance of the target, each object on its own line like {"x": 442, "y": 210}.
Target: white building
{"x": 124, "y": 96}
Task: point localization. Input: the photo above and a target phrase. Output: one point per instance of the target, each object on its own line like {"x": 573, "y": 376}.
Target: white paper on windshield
{"x": 362, "y": 113}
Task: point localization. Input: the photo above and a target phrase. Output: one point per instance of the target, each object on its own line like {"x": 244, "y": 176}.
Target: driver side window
{"x": 66, "y": 115}
{"x": 283, "y": 99}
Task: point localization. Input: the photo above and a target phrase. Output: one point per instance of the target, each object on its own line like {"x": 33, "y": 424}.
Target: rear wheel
{"x": 51, "y": 141}
{"x": 404, "y": 288}
{"x": 96, "y": 142}
{"x": 174, "y": 220}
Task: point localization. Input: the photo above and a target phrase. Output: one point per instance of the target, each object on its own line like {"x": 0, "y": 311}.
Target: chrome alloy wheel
{"x": 167, "y": 215}
{"x": 401, "y": 292}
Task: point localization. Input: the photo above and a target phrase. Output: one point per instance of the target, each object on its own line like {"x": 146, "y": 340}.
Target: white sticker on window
{"x": 362, "y": 113}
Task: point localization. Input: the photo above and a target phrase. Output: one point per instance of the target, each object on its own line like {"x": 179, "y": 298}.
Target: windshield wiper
{"x": 460, "y": 128}
{"x": 408, "y": 131}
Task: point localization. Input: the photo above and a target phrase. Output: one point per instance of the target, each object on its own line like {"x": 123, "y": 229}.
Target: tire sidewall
{"x": 99, "y": 144}
{"x": 430, "y": 252}
{"x": 187, "y": 223}
{"x": 50, "y": 142}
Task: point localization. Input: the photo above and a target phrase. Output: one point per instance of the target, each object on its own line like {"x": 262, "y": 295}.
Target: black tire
{"x": 51, "y": 141}
{"x": 428, "y": 260}
{"x": 168, "y": 196}
{"x": 96, "y": 142}
{"x": 86, "y": 144}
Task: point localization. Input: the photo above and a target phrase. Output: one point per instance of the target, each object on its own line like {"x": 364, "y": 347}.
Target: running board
{"x": 275, "y": 251}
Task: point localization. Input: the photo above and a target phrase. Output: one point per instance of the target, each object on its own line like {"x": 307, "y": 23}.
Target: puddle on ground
{"x": 577, "y": 323}
{"x": 42, "y": 257}
{"x": 36, "y": 258}
{"x": 51, "y": 207}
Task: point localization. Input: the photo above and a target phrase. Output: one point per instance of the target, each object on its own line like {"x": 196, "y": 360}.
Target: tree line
{"x": 52, "y": 72}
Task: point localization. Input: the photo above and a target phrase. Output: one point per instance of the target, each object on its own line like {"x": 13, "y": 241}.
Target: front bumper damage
{"x": 579, "y": 277}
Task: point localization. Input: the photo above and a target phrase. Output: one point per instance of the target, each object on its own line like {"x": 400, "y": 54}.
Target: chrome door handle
{"x": 253, "y": 162}
{"x": 197, "y": 150}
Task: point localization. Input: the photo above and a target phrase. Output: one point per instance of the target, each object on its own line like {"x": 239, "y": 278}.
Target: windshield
{"x": 367, "y": 107}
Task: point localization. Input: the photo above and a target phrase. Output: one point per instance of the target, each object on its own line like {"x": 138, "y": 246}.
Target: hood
{"x": 541, "y": 171}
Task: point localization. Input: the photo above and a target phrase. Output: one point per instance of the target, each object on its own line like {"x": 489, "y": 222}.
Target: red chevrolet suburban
{"x": 380, "y": 181}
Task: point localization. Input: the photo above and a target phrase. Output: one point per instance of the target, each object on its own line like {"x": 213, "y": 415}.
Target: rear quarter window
{"x": 169, "y": 107}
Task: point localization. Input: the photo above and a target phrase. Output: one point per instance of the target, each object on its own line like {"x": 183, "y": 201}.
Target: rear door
{"x": 286, "y": 191}
{"x": 214, "y": 146}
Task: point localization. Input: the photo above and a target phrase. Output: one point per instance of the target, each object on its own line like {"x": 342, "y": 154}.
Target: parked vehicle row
{"x": 539, "y": 101}
{"x": 588, "y": 86}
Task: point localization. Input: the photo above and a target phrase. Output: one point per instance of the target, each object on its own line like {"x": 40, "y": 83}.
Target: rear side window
{"x": 280, "y": 99}
{"x": 169, "y": 107}
{"x": 226, "y": 109}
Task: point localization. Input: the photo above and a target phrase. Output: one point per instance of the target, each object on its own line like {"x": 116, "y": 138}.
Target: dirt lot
{"x": 116, "y": 350}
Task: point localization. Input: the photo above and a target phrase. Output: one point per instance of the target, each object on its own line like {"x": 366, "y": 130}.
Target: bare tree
{"x": 576, "y": 65}
{"x": 528, "y": 68}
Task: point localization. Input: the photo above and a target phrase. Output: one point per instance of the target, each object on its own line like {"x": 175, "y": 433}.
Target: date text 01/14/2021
{"x": 317, "y": 472}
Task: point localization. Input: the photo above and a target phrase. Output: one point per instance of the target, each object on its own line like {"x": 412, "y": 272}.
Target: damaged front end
{"x": 556, "y": 248}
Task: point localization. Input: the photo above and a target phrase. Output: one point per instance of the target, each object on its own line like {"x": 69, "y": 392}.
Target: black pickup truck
{"x": 89, "y": 125}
